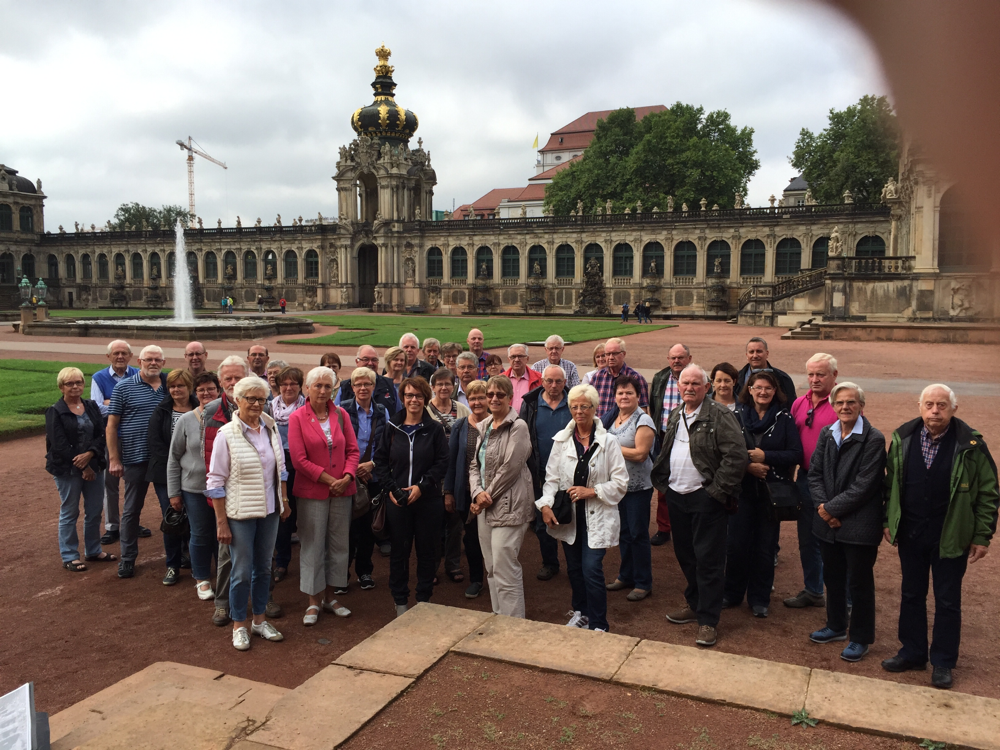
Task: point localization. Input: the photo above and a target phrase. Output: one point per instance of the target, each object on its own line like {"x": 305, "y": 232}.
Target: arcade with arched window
{"x": 622, "y": 259}
{"x": 459, "y": 263}
{"x": 870, "y": 246}
{"x": 435, "y": 263}
{"x": 510, "y": 262}
{"x": 788, "y": 257}
{"x": 685, "y": 259}
{"x": 752, "y": 258}
{"x": 484, "y": 263}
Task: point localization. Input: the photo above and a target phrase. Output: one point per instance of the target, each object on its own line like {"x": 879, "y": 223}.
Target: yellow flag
{"x": 535, "y": 144}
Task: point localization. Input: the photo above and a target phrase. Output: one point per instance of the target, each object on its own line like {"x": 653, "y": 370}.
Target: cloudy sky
{"x": 97, "y": 93}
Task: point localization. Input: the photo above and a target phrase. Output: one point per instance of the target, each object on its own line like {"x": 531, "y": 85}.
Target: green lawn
{"x": 27, "y": 388}
{"x": 385, "y": 330}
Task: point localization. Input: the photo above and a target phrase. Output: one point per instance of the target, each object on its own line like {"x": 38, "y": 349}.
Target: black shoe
{"x": 726, "y": 604}
{"x": 384, "y": 549}
{"x": 900, "y": 664}
{"x": 126, "y": 568}
{"x": 185, "y": 562}
{"x": 367, "y": 582}
{"x": 547, "y": 573}
{"x": 109, "y": 538}
{"x": 172, "y": 577}
{"x": 941, "y": 678}
{"x": 339, "y": 590}
{"x": 759, "y": 610}
{"x": 660, "y": 537}
{"x": 474, "y": 590}
{"x": 144, "y": 532}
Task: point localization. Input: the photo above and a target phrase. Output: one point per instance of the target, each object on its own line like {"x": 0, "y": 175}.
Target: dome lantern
{"x": 383, "y": 118}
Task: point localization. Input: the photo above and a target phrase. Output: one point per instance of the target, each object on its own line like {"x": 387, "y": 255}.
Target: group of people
{"x": 442, "y": 448}
{"x": 641, "y": 310}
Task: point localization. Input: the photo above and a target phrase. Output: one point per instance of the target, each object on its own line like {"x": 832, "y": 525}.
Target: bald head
{"x": 195, "y": 355}
{"x": 475, "y": 341}
{"x": 680, "y": 357}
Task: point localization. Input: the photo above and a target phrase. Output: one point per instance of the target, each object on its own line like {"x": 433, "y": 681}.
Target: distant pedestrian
{"x": 282, "y": 304}
{"x": 625, "y": 313}
{"x": 224, "y": 302}
{"x": 260, "y": 303}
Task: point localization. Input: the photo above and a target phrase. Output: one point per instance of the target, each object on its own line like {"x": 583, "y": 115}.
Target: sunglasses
{"x": 809, "y": 417}
{"x": 496, "y": 394}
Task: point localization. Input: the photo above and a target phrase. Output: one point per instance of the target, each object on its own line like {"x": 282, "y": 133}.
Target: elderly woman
{"x": 600, "y": 360}
{"x": 494, "y": 366}
{"x": 246, "y": 481}
{"x": 410, "y": 464}
{"x": 274, "y": 366}
{"x": 501, "y": 486}
{"x": 461, "y": 449}
{"x": 395, "y": 365}
{"x": 774, "y": 449}
{"x": 845, "y": 480}
{"x": 724, "y": 377}
{"x": 587, "y": 464}
{"x": 331, "y": 360}
{"x": 449, "y": 354}
{"x": 289, "y": 399}
{"x": 179, "y": 401}
{"x": 186, "y": 474}
{"x": 635, "y": 432}
{"x": 325, "y": 455}
{"x": 74, "y": 456}
{"x": 445, "y": 409}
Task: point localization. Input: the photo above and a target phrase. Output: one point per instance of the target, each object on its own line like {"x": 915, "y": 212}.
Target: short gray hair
{"x": 934, "y": 386}
{"x": 249, "y": 385}
{"x": 615, "y": 340}
{"x": 467, "y": 357}
{"x": 406, "y": 336}
{"x": 819, "y": 357}
{"x": 365, "y": 346}
{"x": 696, "y": 368}
{"x": 584, "y": 390}
{"x": 363, "y": 373}
{"x": 848, "y": 385}
{"x": 430, "y": 341}
{"x": 514, "y": 346}
{"x": 562, "y": 372}
{"x": 234, "y": 360}
{"x": 555, "y": 339}
{"x": 757, "y": 340}
{"x": 320, "y": 372}
{"x": 150, "y": 348}
{"x": 276, "y": 363}
{"x": 119, "y": 341}
{"x": 685, "y": 347}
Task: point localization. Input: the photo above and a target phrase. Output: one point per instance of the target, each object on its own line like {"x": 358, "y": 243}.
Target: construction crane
{"x": 190, "y": 161}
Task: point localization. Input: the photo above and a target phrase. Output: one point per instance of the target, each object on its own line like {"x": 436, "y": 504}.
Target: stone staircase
{"x": 805, "y": 330}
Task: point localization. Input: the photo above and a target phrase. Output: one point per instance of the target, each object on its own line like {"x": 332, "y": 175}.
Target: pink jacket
{"x": 311, "y": 456}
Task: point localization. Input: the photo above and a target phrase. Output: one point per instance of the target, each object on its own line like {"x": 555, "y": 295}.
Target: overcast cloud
{"x": 98, "y": 92}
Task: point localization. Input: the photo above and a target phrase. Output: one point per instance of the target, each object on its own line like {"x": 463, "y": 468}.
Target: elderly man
{"x": 522, "y": 377}
{"x": 699, "y": 469}
{"x": 604, "y": 379}
{"x": 812, "y": 412}
{"x": 432, "y": 352}
{"x": 196, "y": 356}
{"x": 415, "y": 367}
{"x": 475, "y": 342}
{"x": 941, "y": 512}
{"x": 257, "y": 358}
{"x": 546, "y": 412}
{"x": 385, "y": 391}
{"x": 554, "y": 347}
{"x": 132, "y": 404}
{"x": 101, "y": 386}
{"x": 468, "y": 370}
{"x": 757, "y": 362}
{"x": 664, "y": 397}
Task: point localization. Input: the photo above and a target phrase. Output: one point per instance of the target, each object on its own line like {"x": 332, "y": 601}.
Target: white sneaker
{"x": 267, "y": 631}
{"x": 400, "y": 609}
{"x": 577, "y": 620}
{"x": 241, "y": 639}
{"x": 336, "y": 609}
{"x": 204, "y": 593}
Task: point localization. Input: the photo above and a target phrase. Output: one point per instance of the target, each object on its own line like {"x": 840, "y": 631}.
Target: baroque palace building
{"x": 909, "y": 257}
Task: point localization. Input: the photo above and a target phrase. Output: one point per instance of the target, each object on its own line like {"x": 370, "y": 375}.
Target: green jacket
{"x": 972, "y": 508}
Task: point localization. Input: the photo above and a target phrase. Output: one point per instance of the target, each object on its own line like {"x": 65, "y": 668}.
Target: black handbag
{"x": 379, "y": 531}
{"x": 175, "y": 522}
{"x": 784, "y": 499}
{"x": 562, "y": 508}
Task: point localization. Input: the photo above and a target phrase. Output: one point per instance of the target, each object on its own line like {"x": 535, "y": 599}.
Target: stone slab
{"x": 328, "y": 708}
{"x": 716, "y": 676}
{"x": 411, "y": 644}
{"x": 249, "y": 745}
{"x": 548, "y": 646}
{"x": 169, "y": 726}
{"x": 905, "y": 710}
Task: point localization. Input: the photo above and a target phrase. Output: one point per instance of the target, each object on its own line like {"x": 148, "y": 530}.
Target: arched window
{"x": 435, "y": 263}
{"x": 958, "y": 247}
{"x": 250, "y": 266}
{"x": 459, "y": 263}
{"x": 821, "y": 248}
{"x": 788, "y": 257}
{"x": 120, "y": 265}
{"x": 70, "y": 267}
{"x": 27, "y": 217}
{"x": 595, "y": 251}
{"x": 652, "y": 259}
{"x": 685, "y": 259}
{"x": 192, "y": 264}
{"x": 86, "y": 265}
{"x": 312, "y": 264}
{"x": 566, "y": 262}
{"x": 53, "y": 268}
{"x": 870, "y": 246}
{"x": 28, "y": 266}
{"x": 270, "y": 265}
{"x": 484, "y": 256}
{"x": 155, "y": 269}
{"x": 291, "y": 266}
{"x": 6, "y": 218}
{"x": 752, "y": 258}
{"x": 719, "y": 250}
{"x": 510, "y": 262}
{"x": 211, "y": 266}
{"x": 622, "y": 258}
{"x": 229, "y": 264}
{"x": 171, "y": 265}
{"x": 102, "y": 267}
{"x": 537, "y": 254}
{"x": 7, "y": 269}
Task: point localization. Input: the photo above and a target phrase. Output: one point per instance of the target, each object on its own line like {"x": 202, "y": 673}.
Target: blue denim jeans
{"x": 251, "y": 550}
{"x": 809, "y": 549}
{"x": 204, "y": 544}
{"x": 637, "y": 563}
{"x": 173, "y": 544}
{"x": 70, "y": 488}
{"x": 585, "y": 569}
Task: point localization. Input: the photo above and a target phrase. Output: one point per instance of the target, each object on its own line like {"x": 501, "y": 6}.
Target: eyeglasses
{"x": 367, "y": 360}
{"x": 614, "y": 354}
{"x": 413, "y": 396}
{"x": 496, "y": 394}
{"x": 809, "y": 417}
{"x": 195, "y": 354}
{"x": 581, "y": 407}
{"x": 550, "y": 381}
{"x": 255, "y": 400}
{"x": 74, "y": 383}
{"x": 153, "y": 361}
{"x": 206, "y": 391}
{"x": 763, "y": 388}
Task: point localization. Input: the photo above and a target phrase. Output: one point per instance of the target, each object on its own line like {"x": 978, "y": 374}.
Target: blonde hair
{"x": 475, "y": 387}
{"x": 392, "y": 353}
{"x": 363, "y": 373}
{"x": 67, "y": 373}
{"x": 584, "y": 390}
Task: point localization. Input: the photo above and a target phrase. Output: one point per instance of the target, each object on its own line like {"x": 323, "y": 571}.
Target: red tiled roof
{"x": 487, "y": 204}
{"x": 580, "y": 132}
{"x": 531, "y": 193}
{"x": 548, "y": 174}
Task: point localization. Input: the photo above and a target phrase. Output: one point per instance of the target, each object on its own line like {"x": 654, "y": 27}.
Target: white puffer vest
{"x": 245, "y": 487}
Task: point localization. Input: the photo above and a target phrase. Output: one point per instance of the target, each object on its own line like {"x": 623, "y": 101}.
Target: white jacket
{"x": 608, "y": 478}
{"x": 245, "y": 496}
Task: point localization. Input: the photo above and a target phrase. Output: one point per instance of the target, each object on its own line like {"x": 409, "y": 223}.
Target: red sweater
{"x": 311, "y": 456}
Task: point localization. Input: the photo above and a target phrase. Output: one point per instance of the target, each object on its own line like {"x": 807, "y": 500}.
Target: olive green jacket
{"x": 972, "y": 508}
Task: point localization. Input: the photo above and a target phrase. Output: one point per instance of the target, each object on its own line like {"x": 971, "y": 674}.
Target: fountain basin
{"x": 208, "y": 328}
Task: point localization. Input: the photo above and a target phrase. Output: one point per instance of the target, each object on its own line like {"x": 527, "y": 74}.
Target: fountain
{"x": 183, "y": 309}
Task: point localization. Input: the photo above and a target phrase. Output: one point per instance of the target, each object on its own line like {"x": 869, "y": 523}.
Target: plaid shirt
{"x": 604, "y": 382}
{"x": 929, "y": 445}
{"x": 671, "y": 398}
{"x": 482, "y": 365}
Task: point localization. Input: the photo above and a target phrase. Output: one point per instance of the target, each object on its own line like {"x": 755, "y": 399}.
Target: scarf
{"x": 754, "y": 423}
{"x": 282, "y": 411}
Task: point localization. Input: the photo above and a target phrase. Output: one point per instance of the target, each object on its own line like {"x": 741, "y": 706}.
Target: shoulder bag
{"x": 784, "y": 499}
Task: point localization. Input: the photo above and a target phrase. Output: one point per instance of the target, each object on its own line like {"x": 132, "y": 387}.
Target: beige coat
{"x": 507, "y": 480}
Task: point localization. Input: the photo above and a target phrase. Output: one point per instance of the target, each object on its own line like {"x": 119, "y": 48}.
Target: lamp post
{"x": 25, "y": 289}
{"x": 42, "y": 310}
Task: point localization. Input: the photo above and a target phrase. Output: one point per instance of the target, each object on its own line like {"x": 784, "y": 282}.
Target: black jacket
{"x": 423, "y": 369}
{"x": 402, "y": 460}
{"x": 62, "y": 441}
{"x": 780, "y": 442}
{"x": 784, "y": 380}
{"x": 161, "y": 428}
{"x": 456, "y": 480}
{"x": 384, "y": 393}
{"x": 529, "y": 413}
{"x": 379, "y": 418}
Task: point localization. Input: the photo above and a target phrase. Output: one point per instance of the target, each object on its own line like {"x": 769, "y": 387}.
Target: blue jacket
{"x": 456, "y": 481}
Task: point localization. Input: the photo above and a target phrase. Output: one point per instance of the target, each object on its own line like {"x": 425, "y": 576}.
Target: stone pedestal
{"x": 27, "y": 317}
{"x": 837, "y": 307}
{"x": 42, "y": 312}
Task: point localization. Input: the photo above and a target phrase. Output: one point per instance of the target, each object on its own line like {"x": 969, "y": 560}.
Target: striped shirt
{"x": 134, "y": 400}
{"x": 572, "y": 375}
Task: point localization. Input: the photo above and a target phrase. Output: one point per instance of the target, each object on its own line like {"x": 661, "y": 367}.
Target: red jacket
{"x": 311, "y": 456}
{"x": 534, "y": 377}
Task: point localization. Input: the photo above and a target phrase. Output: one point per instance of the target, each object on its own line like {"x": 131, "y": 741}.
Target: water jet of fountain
{"x": 183, "y": 309}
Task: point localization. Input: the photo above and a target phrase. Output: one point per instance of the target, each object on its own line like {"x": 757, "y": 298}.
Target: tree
{"x": 134, "y": 214}
{"x": 858, "y": 151}
{"x": 680, "y": 152}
